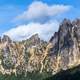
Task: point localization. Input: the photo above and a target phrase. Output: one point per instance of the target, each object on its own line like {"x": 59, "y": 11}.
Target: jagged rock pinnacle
{"x": 6, "y": 39}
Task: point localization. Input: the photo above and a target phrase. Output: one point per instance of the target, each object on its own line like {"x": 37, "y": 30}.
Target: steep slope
{"x": 66, "y": 43}
{"x": 19, "y": 57}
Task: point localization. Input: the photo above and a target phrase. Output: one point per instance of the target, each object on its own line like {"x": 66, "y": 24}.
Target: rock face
{"x": 66, "y": 43}
{"x": 34, "y": 54}
{"x": 0, "y": 39}
{"x": 6, "y": 39}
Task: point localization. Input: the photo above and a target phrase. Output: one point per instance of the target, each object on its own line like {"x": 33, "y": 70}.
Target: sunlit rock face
{"x": 33, "y": 54}
{"x": 24, "y": 56}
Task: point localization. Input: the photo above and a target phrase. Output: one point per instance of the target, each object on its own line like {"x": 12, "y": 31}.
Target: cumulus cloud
{"x": 39, "y": 10}
{"x": 22, "y": 32}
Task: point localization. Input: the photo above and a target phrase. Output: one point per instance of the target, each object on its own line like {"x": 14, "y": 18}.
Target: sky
{"x": 20, "y": 19}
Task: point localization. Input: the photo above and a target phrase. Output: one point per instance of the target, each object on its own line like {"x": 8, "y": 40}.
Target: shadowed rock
{"x": 6, "y": 39}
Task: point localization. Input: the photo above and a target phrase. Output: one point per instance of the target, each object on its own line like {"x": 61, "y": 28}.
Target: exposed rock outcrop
{"x": 6, "y": 39}
{"x": 66, "y": 43}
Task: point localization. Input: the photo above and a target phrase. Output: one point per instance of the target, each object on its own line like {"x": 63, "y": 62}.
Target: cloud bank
{"x": 22, "y": 32}
{"x": 39, "y": 10}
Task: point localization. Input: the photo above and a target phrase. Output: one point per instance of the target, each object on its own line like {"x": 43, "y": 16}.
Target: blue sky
{"x": 11, "y": 12}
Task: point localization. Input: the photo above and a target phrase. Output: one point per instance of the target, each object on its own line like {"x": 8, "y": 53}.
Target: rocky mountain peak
{"x": 62, "y": 38}
{"x": 6, "y": 39}
{"x": 34, "y": 37}
{"x": 65, "y": 25}
{"x": 66, "y": 21}
{"x": 31, "y": 55}
{"x": 66, "y": 43}
{"x": 76, "y": 22}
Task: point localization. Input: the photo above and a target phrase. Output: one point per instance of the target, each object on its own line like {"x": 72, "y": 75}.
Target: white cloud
{"x": 45, "y": 30}
{"x": 37, "y": 11}
{"x": 40, "y": 10}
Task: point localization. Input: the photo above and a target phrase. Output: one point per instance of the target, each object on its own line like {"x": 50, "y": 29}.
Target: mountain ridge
{"x": 60, "y": 53}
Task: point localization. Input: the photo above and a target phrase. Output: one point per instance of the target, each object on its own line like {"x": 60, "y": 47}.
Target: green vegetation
{"x": 71, "y": 74}
{"x": 30, "y": 76}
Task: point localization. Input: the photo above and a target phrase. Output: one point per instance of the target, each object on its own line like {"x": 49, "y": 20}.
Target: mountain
{"x": 66, "y": 43}
{"x": 37, "y": 59}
